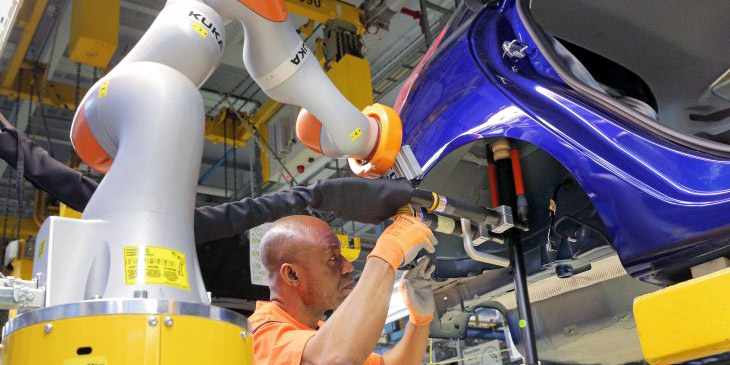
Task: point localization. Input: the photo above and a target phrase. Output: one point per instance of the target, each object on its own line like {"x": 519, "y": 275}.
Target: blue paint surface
{"x": 660, "y": 202}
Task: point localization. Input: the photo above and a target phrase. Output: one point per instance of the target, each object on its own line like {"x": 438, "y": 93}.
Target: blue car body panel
{"x": 660, "y": 202}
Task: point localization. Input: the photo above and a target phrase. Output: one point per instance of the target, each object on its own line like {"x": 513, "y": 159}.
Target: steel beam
{"x": 29, "y": 28}
{"x": 54, "y": 93}
{"x": 60, "y": 42}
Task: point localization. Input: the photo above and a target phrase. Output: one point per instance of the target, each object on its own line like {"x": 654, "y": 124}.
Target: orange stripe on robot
{"x": 86, "y": 145}
{"x": 274, "y": 10}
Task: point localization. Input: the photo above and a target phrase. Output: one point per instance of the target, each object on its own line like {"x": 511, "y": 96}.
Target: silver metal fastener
{"x": 168, "y": 321}
{"x": 514, "y": 48}
{"x": 152, "y": 321}
{"x": 48, "y": 328}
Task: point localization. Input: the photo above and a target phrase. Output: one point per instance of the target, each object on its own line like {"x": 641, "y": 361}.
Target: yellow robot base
{"x": 134, "y": 331}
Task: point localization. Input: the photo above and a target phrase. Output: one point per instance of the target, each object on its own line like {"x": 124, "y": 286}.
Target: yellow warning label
{"x": 199, "y": 28}
{"x": 41, "y": 248}
{"x": 86, "y": 360}
{"x": 355, "y": 134}
{"x": 103, "y": 89}
{"x": 161, "y": 266}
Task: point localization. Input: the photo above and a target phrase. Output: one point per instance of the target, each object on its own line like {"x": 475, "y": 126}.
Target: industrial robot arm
{"x": 142, "y": 124}
{"x": 287, "y": 71}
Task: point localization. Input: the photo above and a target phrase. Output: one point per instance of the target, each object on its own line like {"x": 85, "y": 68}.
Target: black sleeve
{"x": 43, "y": 171}
{"x": 358, "y": 199}
{"x": 225, "y": 220}
{"x": 364, "y": 200}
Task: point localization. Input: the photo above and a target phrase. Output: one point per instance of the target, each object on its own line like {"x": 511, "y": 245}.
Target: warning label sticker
{"x": 199, "y": 28}
{"x": 103, "y": 89}
{"x": 160, "y": 265}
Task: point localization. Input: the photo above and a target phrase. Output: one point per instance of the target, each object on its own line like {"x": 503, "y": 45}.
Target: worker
{"x": 375, "y": 200}
{"x": 308, "y": 275}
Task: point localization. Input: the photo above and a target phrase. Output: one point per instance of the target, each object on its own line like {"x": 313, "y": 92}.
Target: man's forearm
{"x": 411, "y": 348}
{"x": 354, "y": 328}
{"x": 74, "y": 189}
{"x": 43, "y": 171}
{"x": 232, "y": 218}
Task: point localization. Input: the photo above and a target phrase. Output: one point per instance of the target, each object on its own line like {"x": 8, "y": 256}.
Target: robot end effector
{"x": 385, "y": 135}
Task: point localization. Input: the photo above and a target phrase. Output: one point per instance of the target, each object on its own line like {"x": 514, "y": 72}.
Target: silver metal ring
{"x": 123, "y": 306}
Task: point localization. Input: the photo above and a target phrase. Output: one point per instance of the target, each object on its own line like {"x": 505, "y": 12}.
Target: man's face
{"x": 326, "y": 278}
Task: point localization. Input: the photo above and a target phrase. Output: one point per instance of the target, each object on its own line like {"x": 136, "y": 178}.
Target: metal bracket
{"x": 514, "y": 49}
{"x": 485, "y": 235}
{"x": 406, "y": 164}
{"x": 17, "y": 293}
{"x": 506, "y": 221}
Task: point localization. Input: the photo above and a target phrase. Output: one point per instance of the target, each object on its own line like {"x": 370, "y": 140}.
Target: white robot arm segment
{"x": 287, "y": 71}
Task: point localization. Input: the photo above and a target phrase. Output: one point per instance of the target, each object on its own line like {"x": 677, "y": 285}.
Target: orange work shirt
{"x": 280, "y": 339}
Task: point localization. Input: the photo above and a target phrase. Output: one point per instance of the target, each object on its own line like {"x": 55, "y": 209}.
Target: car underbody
{"x": 625, "y": 54}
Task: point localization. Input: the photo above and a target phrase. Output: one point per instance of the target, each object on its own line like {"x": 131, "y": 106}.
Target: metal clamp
{"x": 506, "y": 221}
{"x": 515, "y": 48}
{"x": 406, "y": 164}
{"x": 17, "y": 293}
{"x": 485, "y": 235}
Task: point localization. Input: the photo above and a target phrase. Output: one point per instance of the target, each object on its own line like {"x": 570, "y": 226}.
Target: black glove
{"x": 359, "y": 199}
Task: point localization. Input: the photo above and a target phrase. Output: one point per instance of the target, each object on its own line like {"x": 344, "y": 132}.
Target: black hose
{"x": 441, "y": 205}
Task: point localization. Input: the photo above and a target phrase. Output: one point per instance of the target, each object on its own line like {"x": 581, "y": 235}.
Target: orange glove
{"x": 401, "y": 241}
{"x": 415, "y": 288}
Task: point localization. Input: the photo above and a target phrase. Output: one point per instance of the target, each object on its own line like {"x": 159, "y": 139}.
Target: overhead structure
{"x": 30, "y": 23}
{"x": 323, "y": 11}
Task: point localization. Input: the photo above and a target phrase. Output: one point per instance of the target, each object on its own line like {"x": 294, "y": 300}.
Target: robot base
{"x": 134, "y": 331}
{"x": 74, "y": 264}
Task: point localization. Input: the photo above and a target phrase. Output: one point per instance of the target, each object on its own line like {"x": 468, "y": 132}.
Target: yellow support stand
{"x": 28, "y": 228}
{"x": 68, "y": 212}
{"x": 351, "y": 76}
{"x": 101, "y": 333}
{"x": 686, "y": 321}
{"x": 223, "y": 127}
{"x": 94, "y": 31}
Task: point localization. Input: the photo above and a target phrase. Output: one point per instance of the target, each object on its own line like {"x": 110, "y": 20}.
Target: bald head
{"x": 305, "y": 266}
{"x": 287, "y": 237}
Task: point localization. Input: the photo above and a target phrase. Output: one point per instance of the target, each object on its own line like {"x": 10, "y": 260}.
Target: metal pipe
{"x": 439, "y": 204}
{"x": 425, "y": 26}
{"x": 506, "y": 189}
{"x": 523, "y": 299}
{"x": 477, "y": 255}
{"x": 215, "y": 166}
{"x": 439, "y": 8}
